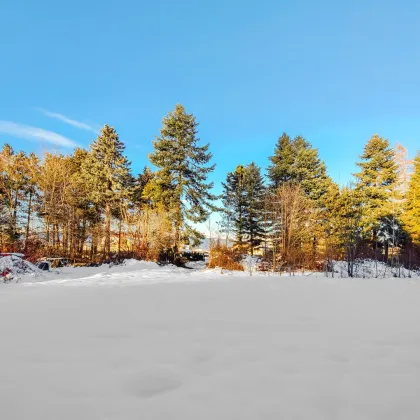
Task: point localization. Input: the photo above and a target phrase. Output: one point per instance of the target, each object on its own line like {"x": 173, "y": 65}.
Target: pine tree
{"x": 349, "y": 229}
{"x": 142, "y": 193}
{"x": 234, "y": 202}
{"x": 145, "y": 178}
{"x": 243, "y": 201}
{"x": 330, "y": 220}
{"x": 281, "y": 169}
{"x": 107, "y": 172}
{"x": 254, "y": 197}
{"x": 227, "y": 213}
{"x": 297, "y": 162}
{"x": 181, "y": 181}
{"x": 411, "y": 215}
{"x": 377, "y": 183}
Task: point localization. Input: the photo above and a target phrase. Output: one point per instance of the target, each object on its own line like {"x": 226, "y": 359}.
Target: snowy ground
{"x": 140, "y": 342}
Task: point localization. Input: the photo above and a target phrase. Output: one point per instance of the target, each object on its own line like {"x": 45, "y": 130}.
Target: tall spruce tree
{"x": 411, "y": 215}
{"x": 349, "y": 230}
{"x": 282, "y": 162}
{"x": 243, "y": 200}
{"x": 377, "y": 183}
{"x": 181, "y": 180}
{"x": 234, "y": 202}
{"x": 254, "y": 194}
{"x": 107, "y": 172}
{"x": 297, "y": 162}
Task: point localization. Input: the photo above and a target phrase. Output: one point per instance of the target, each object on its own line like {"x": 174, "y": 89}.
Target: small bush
{"x": 224, "y": 257}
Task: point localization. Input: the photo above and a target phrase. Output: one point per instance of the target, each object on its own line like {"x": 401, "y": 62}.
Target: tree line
{"x": 301, "y": 219}
{"x": 89, "y": 206}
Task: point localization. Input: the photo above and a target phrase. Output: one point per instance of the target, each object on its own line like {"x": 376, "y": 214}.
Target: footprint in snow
{"x": 152, "y": 382}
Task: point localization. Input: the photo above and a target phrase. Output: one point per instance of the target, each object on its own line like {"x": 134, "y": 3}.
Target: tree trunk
{"x": 72, "y": 234}
{"x": 119, "y": 237}
{"x": 28, "y": 221}
{"x": 53, "y": 234}
{"x": 57, "y": 231}
{"x": 81, "y": 240}
{"x": 48, "y": 233}
{"x": 14, "y": 221}
{"x": 178, "y": 226}
{"x": 107, "y": 248}
{"x": 91, "y": 249}
{"x": 65, "y": 237}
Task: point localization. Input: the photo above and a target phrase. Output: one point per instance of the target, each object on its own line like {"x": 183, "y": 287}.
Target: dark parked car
{"x": 44, "y": 265}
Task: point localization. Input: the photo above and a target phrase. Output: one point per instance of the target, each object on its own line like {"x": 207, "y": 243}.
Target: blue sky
{"x": 334, "y": 72}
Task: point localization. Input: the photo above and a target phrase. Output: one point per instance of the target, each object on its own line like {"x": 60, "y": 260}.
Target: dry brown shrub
{"x": 224, "y": 257}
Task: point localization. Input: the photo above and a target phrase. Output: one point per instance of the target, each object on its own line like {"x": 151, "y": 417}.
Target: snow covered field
{"x": 141, "y": 342}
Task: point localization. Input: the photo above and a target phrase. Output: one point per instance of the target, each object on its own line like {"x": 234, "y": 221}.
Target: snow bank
{"x": 372, "y": 269}
{"x": 133, "y": 272}
{"x": 17, "y": 267}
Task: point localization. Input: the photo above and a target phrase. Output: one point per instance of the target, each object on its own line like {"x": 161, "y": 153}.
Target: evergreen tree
{"x": 349, "y": 229}
{"x": 297, "y": 162}
{"x": 342, "y": 222}
{"x": 227, "y": 223}
{"x": 377, "y": 183}
{"x": 254, "y": 197}
{"x": 141, "y": 193}
{"x": 282, "y": 165}
{"x": 145, "y": 178}
{"x": 330, "y": 220}
{"x": 411, "y": 215}
{"x": 243, "y": 201}
{"x": 181, "y": 181}
{"x": 107, "y": 172}
{"x": 234, "y": 202}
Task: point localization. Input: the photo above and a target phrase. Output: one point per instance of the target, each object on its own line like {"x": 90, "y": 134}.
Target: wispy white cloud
{"x": 67, "y": 120}
{"x": 35, "y": 134}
